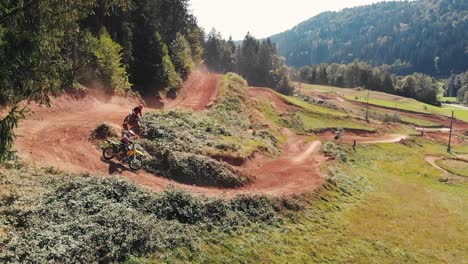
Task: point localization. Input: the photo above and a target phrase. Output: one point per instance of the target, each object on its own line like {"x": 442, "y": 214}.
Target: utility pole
{"x": 367, "y": 106}
{"x": 449, "y": 147}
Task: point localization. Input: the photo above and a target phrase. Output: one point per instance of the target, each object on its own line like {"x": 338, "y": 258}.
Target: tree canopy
{"x": 360, "y": 74}
{"x": 428, "y": 36}
{"x": 257, "y": 61}
{"x": 48, "y": 45}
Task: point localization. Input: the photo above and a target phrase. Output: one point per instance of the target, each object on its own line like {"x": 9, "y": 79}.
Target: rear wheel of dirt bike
{"x": 109, "y": 153}
{"x": 135, "y": 162}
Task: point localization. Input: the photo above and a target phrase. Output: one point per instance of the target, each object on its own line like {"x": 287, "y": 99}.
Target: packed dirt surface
{"x": 297, "y": 170}
{"x": 198, "y": 93}
{"x": 363, "y": 138}
{"x": 59, "y": 137}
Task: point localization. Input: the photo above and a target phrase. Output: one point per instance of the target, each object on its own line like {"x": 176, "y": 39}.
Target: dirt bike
{"x": 131, "y": 155}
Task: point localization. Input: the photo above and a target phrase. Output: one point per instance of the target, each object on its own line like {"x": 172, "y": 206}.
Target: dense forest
{"x": 428, "y": 36}
{"x": 360, "y": 74}
{"x": 257, "y": 61}
{"x": 48, "y": 46}
{"x": 457, "y": 86}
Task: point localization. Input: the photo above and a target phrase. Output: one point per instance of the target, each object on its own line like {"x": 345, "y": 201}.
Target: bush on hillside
{"x": 192, "y": 168}
{"x": 183, "y": 143}
{"x": 335, "y": 151}
{"x": 85, "y": 219}
{"x": 103, "y": 131}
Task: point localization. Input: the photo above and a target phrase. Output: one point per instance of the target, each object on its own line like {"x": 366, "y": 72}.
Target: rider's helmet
{"x": 141, "y": 107}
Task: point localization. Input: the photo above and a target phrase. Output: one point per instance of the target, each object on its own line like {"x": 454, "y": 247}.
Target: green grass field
{"x": 403, "y": 215}
{"x": 315, "y": 122}
{"x": 314, "y": 108}
{"x": 449, "y": 99}
{"x": 457, "y": 167}
{"x": 391, "y": 101}
{"x": 309, "y": 121}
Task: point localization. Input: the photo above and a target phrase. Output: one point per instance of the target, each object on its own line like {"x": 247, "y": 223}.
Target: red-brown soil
{"x": 198, "y": 93}
{"x": 58, "y": 137}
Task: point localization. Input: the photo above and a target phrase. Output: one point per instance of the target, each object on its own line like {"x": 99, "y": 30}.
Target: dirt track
{"x": 58, "y": 137}
{"x": 198, "y": 93}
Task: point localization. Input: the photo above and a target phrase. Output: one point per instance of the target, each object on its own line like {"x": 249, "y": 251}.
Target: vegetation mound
{"x": 76, "y": 219}
{"x": 190, "y": 146}
{"x": 103, "y": 131}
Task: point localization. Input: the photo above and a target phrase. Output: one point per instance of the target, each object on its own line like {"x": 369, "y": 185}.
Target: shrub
{"x": 182, "y": 142}
{"x": 336, "y": 151}
{"x": 86, "y": 219}
{"x": 103, "y": 131}
{"x": 195, "y": 169}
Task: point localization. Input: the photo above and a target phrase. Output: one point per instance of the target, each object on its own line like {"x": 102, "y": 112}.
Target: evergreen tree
{"x": 104, "y": 62}
{"x": 213, "y": 51}
{"x": 165, "y": 72}
{"x": 181, "y": 56}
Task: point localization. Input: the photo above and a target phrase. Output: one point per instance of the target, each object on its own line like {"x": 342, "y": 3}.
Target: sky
{"x": 262, "y": 18}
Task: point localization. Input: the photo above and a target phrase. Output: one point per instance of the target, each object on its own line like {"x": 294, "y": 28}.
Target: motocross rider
{"x": 134, "y": 117}
{"x": 127, "y": 139}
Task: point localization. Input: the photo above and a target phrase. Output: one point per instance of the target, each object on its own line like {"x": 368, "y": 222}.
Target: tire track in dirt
{"x": 58, "y": 137}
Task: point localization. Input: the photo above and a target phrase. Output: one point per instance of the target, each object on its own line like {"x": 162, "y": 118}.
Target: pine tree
{"x": 165, "y": 72}
{"x": 181, "y": 56}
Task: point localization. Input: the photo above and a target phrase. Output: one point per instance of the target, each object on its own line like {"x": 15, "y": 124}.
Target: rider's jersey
{"x": 126, "y": 137}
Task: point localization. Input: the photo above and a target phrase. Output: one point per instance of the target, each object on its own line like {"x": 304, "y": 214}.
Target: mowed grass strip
{"x": 458, "y": 167}
{"x": 316, "y": 122}
{"x": 390, "y": 101}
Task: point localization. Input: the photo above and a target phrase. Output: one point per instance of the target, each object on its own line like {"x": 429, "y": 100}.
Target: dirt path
{"x": 58, "y": 137}
{"x": 198, "y": 92}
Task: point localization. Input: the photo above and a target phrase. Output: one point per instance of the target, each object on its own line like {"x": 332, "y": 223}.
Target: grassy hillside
{"x": 390, "y": 101}
{"x": 393, "y": 210}
{"x": 308, "y": 117}
{"x": 380, "y": 203}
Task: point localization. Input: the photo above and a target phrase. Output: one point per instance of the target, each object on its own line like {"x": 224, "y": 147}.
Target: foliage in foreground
{"x": 76, "y": 219}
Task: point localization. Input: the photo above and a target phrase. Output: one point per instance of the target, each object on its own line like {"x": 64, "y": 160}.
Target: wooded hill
{"x": 429, "y": 36}
{"x": 49, "y": 46}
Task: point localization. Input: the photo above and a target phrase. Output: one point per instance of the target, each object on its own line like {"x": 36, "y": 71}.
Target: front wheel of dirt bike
{"x": 109, "y": 153}
{"x": 135, "y": 162}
